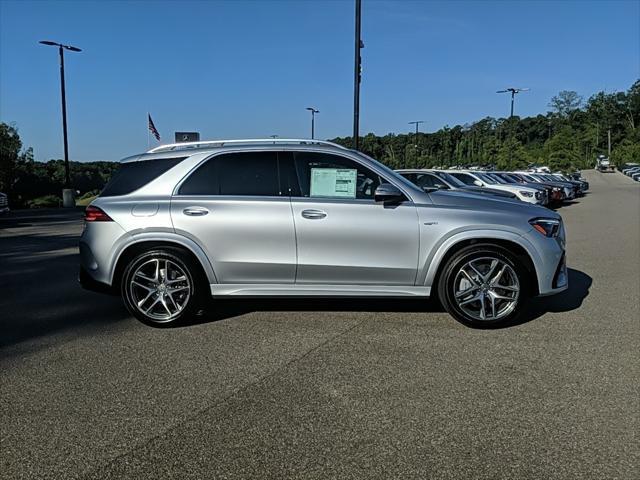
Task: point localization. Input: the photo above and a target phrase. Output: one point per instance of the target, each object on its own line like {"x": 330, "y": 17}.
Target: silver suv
{"x": 258, "y": 218}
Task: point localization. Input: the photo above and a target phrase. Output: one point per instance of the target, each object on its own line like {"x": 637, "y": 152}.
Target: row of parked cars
{"x": 631, "y": 170}
{"x": 536, "y": 187}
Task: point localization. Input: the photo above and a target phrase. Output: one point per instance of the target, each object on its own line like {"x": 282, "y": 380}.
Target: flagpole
{"x": 148, "y": 133}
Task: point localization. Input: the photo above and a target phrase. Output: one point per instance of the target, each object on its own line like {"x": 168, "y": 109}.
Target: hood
{"x": 473, "y": 201}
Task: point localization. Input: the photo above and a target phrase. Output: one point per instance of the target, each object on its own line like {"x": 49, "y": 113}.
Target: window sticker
{"x": 333, "y": 182}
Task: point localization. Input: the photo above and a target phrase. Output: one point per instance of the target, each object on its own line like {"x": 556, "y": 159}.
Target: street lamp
{"x": 416, "y": 123}
{"x": 313, "y": 119}
{"x": 357, "y": 75}
{"x": 513, "y": 95}
{"x": 67, "y": 193}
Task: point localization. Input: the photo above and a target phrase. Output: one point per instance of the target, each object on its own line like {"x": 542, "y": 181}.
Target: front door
{"x": 234, "y": 208}
{"x": 344, "y": 237}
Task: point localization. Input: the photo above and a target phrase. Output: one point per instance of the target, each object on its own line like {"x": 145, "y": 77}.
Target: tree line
{"x": 568, "y": 137}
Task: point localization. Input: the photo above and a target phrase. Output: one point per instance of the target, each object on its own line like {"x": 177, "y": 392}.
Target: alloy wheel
{"x": 486, "y": 288}
{"x": 160, "y": 289}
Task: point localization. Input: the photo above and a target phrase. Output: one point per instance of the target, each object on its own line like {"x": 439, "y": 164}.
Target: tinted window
{"x": 332, "y": 176}
{"x": 246, "y": 173}
{"x": 134, "y": 175}
{"x": 464, "y": 178}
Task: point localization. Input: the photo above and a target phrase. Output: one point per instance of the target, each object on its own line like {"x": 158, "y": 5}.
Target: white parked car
{"x": 480, "y": 179}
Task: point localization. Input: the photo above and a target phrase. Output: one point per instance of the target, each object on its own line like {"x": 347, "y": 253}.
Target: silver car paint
{"x": 356, "y": 249}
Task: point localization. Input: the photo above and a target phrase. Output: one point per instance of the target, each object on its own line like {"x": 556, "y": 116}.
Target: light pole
{"x": 357, "y": 76}
{"x": 513, "y": 95}
{"x": 416, "y": 123}
{"x": 67, "y": 193}
{"x": 313, "y": 120}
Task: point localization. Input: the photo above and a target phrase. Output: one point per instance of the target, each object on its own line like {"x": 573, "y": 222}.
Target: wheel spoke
{"x": 467, "y": 291}
{"x": 473, "y": 282}
{"x": 156, "y": 277}
{"x": 164, "y": 304}
{"x": 176, "y": 280}
{"x": 141, "y": 302}
{"x": 138, "y": 284}
{"x": 506, "y": 287}
{"x": 170, "y": 295}
{"x": 492, "y": 268}
{"x": 493, "y": 306}
{"x": 143, "y": 276}
{"x": 475, "y": 298}
{"x": 155, "y": 302}
{"x": 483, "y": 314}
{"x": 498, "y": 276}
{"x": 480, "y": 276}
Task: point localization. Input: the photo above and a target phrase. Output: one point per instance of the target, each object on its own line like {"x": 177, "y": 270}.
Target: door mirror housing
{"x": 388, "y": 193}
{"x": 477, "y": 183}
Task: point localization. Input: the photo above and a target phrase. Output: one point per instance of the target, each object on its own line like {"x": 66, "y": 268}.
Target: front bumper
{"x": 550, "y": 262}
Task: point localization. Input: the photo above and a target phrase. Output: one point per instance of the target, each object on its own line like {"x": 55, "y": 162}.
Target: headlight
{"x": 526, "y": 194}
{"x": 549, "y": 227}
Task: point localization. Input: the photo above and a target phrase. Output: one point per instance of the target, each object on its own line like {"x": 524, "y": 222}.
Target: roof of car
{"x": 175, "y": 150}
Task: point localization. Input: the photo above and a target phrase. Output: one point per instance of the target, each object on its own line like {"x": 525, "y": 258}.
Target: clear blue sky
{"x": 240, "y": 69}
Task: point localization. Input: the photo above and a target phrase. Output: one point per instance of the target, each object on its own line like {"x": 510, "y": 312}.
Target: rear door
{"x": 234, "y": 207}
{"x": 344, "y": 237}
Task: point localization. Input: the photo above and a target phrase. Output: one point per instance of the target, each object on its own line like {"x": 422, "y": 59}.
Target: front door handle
{"x": 195, "y": 211}
{"x": 313, "y": 214}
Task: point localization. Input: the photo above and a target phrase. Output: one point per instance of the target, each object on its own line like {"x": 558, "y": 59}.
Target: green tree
{"x": 10, "y": 145}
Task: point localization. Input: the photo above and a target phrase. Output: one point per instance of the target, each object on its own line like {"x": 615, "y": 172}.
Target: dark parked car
{"x": 4, "y": 203}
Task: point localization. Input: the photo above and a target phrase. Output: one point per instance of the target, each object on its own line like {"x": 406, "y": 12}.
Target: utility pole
{"x": 357, "y": 76}
{"x": 416, "y": 123}
{"x": 609, "y": 143}
{"x": 67, "y": 192}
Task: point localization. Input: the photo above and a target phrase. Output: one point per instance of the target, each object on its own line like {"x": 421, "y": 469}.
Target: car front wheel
{"x": 484, "y": 286}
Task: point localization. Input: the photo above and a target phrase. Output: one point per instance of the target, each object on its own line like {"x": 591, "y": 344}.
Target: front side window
{"x": 322, "y": 175}
{"x": 236, "y": 174}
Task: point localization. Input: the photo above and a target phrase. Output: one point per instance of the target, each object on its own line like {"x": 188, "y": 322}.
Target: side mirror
{"x": 441, "y": 186}
{"x": 477, "y": 183}
{"x": 388, "y": 193}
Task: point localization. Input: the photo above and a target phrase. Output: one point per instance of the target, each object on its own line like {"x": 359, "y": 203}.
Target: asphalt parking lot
{"x": 323, "y": 388}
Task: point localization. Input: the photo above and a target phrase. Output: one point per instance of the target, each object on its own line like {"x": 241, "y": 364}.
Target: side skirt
{"x": 306, "y": 290}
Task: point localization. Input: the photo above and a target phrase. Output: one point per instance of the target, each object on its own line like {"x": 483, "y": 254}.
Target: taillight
{"x": 95, "y": 214}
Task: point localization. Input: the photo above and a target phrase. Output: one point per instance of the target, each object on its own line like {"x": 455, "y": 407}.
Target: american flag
{"x": 152, "y": 128}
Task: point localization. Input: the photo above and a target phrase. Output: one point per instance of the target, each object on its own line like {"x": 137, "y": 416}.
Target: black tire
{"x": 179, "y": 261}
{"x": 452, "y": 270}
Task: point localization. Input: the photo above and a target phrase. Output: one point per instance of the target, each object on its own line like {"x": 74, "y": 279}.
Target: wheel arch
{"x": 516, "y": 245}
{"x": 131, "y": 249}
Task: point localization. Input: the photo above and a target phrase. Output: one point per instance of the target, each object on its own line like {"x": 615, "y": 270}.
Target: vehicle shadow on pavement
{"x": 570, "y": 299}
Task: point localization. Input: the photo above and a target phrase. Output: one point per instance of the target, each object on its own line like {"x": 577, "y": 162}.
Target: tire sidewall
{"x": 181, "y": 260}
{"x": 446, "y": 284}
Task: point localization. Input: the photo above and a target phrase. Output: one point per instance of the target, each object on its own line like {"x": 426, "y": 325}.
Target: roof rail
{"x": 219, "y": 143}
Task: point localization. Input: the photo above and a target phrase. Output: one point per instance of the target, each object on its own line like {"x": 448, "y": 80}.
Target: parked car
{"x": 480, "y": 179}
{"x": 4, "y": 203}
{"x": 555, "y": 194}
{"x": 636, "y": 176}
{"x": 630, "y": 171}
{"x": 569, "y": 190}
{"x": 430, "y": 180}
{"x": 267, "y": 217}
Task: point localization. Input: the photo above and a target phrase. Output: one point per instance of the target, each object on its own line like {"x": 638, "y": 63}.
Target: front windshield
{"x": 395, "y": 175}
{"x": 510, "y": 178}
{"x": 449, "y": 178}
{"x": 486, "y": 178}
{"x": 498, "y": 178}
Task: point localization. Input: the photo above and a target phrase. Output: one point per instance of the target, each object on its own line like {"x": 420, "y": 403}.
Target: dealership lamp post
{"x": 357, "y": 76}
{"x": 416, "y": 123}
{"x": 67, "y": 192}
{"x": 513, "y": 91}
{"x": 313, "y": 120}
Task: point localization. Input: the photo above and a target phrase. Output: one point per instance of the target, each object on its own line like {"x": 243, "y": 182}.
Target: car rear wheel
{"x": 160, "y": 287}
{"x": 484, "y": 286}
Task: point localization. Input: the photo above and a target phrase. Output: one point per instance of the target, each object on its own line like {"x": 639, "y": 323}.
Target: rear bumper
{"x": 89, "y": 283}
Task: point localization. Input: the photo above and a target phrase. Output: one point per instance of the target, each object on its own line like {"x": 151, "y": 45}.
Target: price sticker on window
{"x": 333, "y": 182}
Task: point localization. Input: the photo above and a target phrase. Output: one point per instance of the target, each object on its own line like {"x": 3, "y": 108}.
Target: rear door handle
{"x": 195, "y": 211}
{"x": 313, "y": 214}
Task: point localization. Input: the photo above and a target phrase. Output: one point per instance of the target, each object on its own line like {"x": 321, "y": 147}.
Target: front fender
{"x": 427, "y": 272}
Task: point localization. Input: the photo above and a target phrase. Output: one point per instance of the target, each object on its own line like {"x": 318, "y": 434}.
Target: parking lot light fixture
{"x": 313, "y": 115}
{"x": 67, "y": 193}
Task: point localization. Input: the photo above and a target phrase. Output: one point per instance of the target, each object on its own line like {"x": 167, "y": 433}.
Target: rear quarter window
{"x": 131, "y": 176}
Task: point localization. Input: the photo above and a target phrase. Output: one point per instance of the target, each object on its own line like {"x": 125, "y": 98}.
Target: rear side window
{"x": 242, "y": 174}
{"x": 134, "y": 175}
